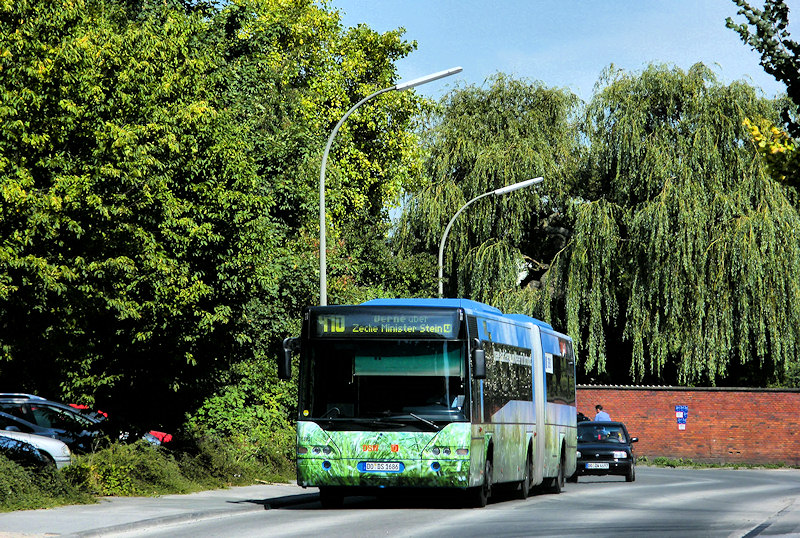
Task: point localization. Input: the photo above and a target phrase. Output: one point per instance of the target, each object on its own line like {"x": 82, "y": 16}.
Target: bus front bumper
{"x": 396, "y": 473}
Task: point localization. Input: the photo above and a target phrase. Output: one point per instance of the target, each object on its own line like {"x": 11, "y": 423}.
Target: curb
{"x": 268, "y": 504}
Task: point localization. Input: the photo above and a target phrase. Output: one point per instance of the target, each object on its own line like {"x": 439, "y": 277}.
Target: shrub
{"x": 194, "y": 464}
{"x": 250, "y": 414}
{"x": 129, "y": 469}
{"x": 215, "y": 462}
{"x": 23, "y": 489}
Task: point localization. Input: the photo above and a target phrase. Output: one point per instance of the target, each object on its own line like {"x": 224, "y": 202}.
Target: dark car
{"x": 23, "y": 454}
{"x": 81, "y": 429}
{"x": 605, "y": 448}
{"x": 49, "y": 419}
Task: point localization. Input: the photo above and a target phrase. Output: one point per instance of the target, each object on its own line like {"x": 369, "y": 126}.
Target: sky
{"x": 564, "y": 43}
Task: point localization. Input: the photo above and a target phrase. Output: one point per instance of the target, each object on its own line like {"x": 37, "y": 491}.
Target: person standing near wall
{"x": 601, "y": 415}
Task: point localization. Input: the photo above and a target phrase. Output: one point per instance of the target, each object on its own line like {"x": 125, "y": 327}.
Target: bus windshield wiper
{"x": 426, "y": 421}
{"x": 381, "y": 422}
{"x": 330, "y": 411}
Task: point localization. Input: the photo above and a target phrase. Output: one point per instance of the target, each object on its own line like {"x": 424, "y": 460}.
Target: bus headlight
{"x": 447, "y": 451}
{"x": 316, "y": 450}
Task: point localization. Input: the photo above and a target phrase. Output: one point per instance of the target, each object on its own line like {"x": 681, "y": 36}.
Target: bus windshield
{"x": 385, "y": 379}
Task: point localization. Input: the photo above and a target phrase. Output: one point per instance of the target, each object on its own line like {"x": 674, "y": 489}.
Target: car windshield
{"x": 48, "y": 416}
{"x": 589, "y": 432}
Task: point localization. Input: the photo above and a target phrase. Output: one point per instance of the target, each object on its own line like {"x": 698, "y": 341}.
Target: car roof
{"x": 601, "y": 423}
{"x": 20, "y": 396}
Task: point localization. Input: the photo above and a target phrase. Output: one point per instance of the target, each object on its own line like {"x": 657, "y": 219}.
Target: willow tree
{"x": 481, "y": 139}
{"x": 683, "y": 248}
{"x": 657, "y": 240}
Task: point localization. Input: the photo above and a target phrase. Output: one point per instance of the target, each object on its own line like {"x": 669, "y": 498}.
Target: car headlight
{"x": 620, "y": 454}
{"x": 578, "y": 453}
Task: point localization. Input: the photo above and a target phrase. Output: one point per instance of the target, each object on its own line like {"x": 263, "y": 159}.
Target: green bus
{"x": 431, "y": 393}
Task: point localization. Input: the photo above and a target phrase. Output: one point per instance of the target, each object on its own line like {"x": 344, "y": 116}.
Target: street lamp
{"x": 496, "y": 192}
{"x": 323, "y": 279}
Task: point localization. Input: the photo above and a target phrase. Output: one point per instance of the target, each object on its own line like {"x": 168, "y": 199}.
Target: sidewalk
{"x": 124, "y": 514}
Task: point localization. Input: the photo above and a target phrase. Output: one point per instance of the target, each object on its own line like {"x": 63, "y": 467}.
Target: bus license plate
{"x": 597, "y": 466}
{"x": 382, "y": 466}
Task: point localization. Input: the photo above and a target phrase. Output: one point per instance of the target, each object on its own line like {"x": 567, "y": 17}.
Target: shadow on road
{"x": 410, "y": 499}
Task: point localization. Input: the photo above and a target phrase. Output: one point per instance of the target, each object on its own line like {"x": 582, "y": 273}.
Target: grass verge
{"x": 137, "y": 469}
{"x": 661, "y": 461}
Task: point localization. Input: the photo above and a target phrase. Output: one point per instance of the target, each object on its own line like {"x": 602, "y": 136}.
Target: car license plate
{"x": 382, "y": 466}
{"x": 597, "y": 466}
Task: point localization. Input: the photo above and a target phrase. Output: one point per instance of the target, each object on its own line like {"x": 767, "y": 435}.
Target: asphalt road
{"x": 662, "y": 502}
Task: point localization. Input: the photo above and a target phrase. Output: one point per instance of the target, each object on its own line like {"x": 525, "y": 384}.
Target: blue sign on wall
{"x": 681, "y": 414}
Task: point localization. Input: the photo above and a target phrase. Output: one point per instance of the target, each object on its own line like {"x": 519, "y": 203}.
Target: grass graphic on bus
{"x": 340, "y": 458}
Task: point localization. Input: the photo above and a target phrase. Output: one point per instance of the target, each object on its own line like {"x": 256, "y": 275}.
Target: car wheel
{"x": 631, "y": 476}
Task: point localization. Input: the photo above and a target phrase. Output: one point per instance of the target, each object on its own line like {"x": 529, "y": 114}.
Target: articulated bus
{"x": 431, "y": 393}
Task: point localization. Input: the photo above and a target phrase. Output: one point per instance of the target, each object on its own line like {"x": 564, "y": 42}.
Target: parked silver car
{"x": 55, "y": 449}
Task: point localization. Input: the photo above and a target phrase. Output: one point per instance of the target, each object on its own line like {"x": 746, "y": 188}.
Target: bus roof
{"x": 470, "y": 306}
{"x": 466, "y": 304}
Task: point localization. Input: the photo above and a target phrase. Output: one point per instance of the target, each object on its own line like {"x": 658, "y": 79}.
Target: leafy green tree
{"x": 294, "y": 71}
{"x": 130, "y": 206}
{"x": 319, "y": 70}
{"x": 158, "y": 174}
{"x": 766, "y": 31}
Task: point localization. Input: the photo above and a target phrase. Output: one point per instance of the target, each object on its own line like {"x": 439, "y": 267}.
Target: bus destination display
{"x": 374, "y": 324}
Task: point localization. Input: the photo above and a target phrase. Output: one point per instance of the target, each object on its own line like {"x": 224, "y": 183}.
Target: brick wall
{"x": 722, "y": 425}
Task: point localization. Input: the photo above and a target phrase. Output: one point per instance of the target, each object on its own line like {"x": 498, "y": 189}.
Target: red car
{"x": 161, "y": 437}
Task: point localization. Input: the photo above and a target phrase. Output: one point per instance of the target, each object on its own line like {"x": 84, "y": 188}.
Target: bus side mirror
{"x": 285, "y": 363}
{"x": 478, "y": 364}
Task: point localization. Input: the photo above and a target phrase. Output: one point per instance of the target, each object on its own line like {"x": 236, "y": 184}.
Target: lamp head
{"x": 427, "y": 78}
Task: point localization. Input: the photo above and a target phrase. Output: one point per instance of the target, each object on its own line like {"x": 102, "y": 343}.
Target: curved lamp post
{"x": 496, "y": 192}
{"x": 323, "y": 277}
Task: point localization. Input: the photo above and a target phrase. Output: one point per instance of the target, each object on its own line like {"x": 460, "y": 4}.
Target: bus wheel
{"x": 557, "y": 483}
{"x": 481, "y": 494}
{"x": 525, "y": 485}
{"x": 330, "y": 498}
